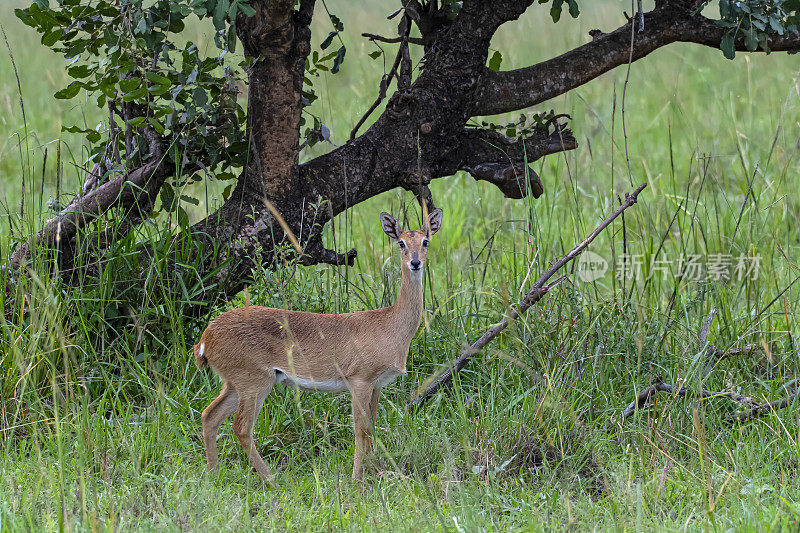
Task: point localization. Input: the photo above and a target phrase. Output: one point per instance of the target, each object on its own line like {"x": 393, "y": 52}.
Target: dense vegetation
{"x": 100, "y": 416}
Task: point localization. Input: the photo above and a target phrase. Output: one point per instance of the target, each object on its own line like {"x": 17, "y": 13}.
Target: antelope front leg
{"x": 362, "y": 395}
{"x": 373, "y": 406}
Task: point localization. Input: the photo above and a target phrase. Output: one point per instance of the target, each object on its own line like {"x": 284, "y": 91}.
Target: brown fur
{"x": 245, "y": 346}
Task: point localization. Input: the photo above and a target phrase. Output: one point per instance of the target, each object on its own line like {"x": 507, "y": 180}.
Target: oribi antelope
{"x": 252, "y": 348}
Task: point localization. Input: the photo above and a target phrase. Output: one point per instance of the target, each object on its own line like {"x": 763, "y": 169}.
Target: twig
{"x": 392, "y": 40}
{"x": 760, "y": 410}
{"x": 644, "y": 396}
{"x": 714, "y": 355}
{"x": 744, "y": 205}
{"x": 536, "y": 293}
{"x": 402, "y": 52}
{"x": 707, "y": 326}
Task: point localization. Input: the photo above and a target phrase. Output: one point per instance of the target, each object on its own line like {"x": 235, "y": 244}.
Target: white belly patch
{"x": 328, "y": 385}
{"x": 388, "y": 375}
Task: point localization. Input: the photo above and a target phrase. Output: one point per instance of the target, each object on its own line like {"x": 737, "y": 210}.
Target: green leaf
{"x": 220, "y": 12}
{"x": 751, "y": 40}
{"x": 183, "y": 218}
{"x": 555, "y": 11}
{"x": 129, "y": 85}
{"x": 156, "y": 125}
{"x": 727, "y": 46}
{"x": 79, "y": 71}
{"x": 167, "y": 195}
{"x": 50, "y": 38}
{"x": 69, "y": 91}
{"x": 134, "y": 95}
{"x": 199, "y": 96}
{"x": 574, "y": 10}
{"x": 496, "y": 59}
{"x": 376, "y": 54}
{"x": 158, "y": 79}
{"x": 328, "y": 40}
{"x": 190, "y": 199}
{"x": 337, "y": 24}
{"x": 25, "y": 17}
{"x": 337, "y": 61}
{"x": 776, "y": 24}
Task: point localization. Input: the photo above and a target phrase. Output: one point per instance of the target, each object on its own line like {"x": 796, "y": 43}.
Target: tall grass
{"x": 100, "y": 399}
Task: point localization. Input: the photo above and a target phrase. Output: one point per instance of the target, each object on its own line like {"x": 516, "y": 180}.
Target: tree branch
{"x": 505, "y": 91}
{"x": 391, "y": 40}
{"x": 490, "y": 156}
{"x": 538, "y": 290}
{"x": 127, "y": 191}
{"x": 643, "y": 399}
{"x": 762, "y": 409}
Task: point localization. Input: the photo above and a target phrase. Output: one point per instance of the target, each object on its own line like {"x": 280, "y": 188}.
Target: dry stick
{"x": 764, "y": 408}
{"x": 534, "y": 295}
{"x": 713, "y": 355}
{"x": 386, "y": 81}
{"x": 659, "y": 386}
{"x": 707, "y": 326}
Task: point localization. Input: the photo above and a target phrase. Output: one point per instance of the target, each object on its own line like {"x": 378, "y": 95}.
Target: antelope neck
{"x": 409, "y": 299}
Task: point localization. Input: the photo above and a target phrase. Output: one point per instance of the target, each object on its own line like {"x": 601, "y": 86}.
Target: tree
{"x": 174, "y": 117}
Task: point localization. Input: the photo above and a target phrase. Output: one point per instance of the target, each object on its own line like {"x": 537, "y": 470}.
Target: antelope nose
{"x": 415, "y": 264}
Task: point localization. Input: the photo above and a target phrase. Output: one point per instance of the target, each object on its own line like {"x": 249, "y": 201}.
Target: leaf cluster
{"x": 125, "y": 55}
{"x": 755, "y": 21}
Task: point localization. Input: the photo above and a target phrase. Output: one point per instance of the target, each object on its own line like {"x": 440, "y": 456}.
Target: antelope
{"x": 252, "y": 348}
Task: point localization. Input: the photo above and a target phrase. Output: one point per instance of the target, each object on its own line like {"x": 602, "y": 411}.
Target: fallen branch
{"x": 713, "y": 356}
{"x": 758, "y": 409}
{"x": 534, "y": 295}
{"x": 644, "y": 396}
{"x": 762, "y": 409}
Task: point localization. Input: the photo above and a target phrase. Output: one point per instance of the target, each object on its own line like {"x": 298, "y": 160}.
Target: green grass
{"x": 100, "y": 423}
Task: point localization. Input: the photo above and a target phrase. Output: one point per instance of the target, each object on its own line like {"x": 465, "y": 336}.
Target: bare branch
{"x": 763, "y": 409}
{"x": 391, "y": 40}
{"x": 534, "y": 295}
{"x": 387, "y": 78}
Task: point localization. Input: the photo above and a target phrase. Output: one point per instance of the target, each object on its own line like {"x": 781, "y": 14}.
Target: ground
{"x": 103, "y": 432}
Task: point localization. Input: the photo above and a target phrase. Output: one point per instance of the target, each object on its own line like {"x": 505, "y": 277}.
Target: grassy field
{"x": 102, "y": 432}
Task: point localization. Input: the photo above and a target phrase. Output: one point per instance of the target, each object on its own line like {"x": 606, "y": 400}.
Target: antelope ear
{"x": 390, "y": 226}
{"x": 434, "y": 222}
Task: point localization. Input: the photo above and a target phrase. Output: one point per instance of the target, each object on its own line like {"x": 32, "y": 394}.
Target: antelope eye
{"x": 425, "y": 243}
{"x": 401, "y": 244}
